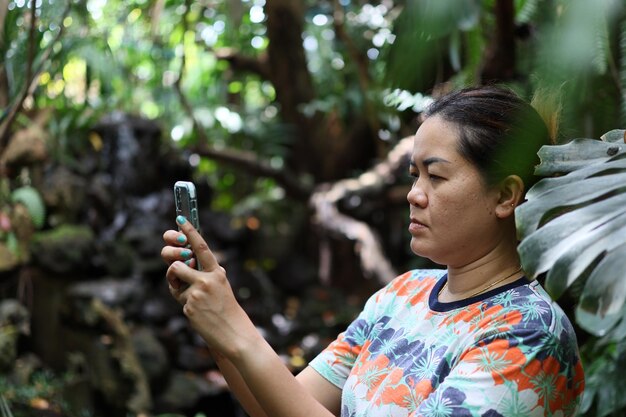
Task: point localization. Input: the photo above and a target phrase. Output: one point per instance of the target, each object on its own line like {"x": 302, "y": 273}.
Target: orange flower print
{"x": 397, "y": 284}
{"x": 465, "y": 315}
{"x": 523, "y": 378}
{"x": 343, "y": 351}
{"x": 373, "y": 373}
{"x": 498, "y": 359}
{"x": 496, "y": 320}
{"x": 578, "y": 380}
{"x": 404, "y": 285}
{"x": 418, "y": 393}
{"x": 398, "y": 395}
{"x": 550, "y": 384}
{"x": 420, "y": 293}
{"x": 511, "y": 354}
{"x": 390, "y": 391}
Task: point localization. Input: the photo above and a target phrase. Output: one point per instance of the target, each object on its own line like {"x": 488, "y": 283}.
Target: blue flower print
{"x": 445, "y": 404}
{"x": 385, "y": 343}
{"x": 357, "y": 333}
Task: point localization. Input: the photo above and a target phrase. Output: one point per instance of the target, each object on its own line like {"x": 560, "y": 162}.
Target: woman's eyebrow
{"x": 429, "y": 161}
{"x": 433, "y": 160}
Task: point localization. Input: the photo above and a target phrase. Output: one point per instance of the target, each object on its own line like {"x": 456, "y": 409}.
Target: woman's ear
{"x": 510, "y": 196}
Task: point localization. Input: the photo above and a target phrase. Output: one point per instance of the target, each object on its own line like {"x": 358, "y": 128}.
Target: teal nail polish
{"x": 185, "y": 253}
{"x": 188, "y": 262}
{"x": 181, "y": 239}
{"x": 181, "y": 220}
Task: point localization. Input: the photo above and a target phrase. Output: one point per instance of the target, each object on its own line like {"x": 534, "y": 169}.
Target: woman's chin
{"x": 426, "y": 252}
{"x": 418, "y": 248}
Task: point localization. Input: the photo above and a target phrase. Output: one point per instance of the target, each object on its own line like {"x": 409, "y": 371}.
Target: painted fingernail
{"x": 188, "y": 262}
{"x": 185, "y": 253}
{"x": 181, "y": 220}
{"x": 181, "y": 238}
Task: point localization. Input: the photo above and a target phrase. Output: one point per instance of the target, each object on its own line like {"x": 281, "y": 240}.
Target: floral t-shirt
{"x": 508, "y": 352}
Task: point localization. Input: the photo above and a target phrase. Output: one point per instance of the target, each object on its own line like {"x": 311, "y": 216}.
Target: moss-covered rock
{"x": 66, "y": 249}
{"x": 8, "y": 258}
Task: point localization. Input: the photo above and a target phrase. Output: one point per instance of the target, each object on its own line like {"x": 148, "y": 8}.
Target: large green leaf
{"x": 573, "y": 226}
{"x": 577, "y": 154}
{"x": 602, "y": 302}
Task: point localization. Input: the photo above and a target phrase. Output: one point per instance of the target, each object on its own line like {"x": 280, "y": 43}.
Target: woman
{"x": 475, "y": 339}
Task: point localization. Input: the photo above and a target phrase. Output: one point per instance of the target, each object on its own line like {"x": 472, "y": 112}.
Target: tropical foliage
{"x": 574, "y": 233}
{"x": 271, "y": 99}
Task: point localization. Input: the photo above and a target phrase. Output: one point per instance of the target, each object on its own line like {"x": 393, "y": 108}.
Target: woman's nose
{"x": 417, "y": 196}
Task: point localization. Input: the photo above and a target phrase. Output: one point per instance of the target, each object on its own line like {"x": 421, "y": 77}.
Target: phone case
{"x": 187, "y": 202}
{"x": 187, "y": 205}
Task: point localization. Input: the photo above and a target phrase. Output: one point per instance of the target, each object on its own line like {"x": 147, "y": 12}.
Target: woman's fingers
{"x": 183, "y": 251}
{"x": 179, "y": 274}
{"x": 198, "y": 245}
{"x": 207, "y": 298}
{"x": 177, "y": 248}
{"x": 175, "y": 238}
{"x": 171, "y": 254}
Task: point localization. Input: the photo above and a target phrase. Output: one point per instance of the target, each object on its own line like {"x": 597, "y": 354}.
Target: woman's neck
{"x": 498, "y": 267}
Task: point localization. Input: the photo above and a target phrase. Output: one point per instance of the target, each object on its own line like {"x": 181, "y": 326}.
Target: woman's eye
{"x": 415, "y": 175}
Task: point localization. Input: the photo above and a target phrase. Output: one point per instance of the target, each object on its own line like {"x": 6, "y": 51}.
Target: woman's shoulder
{"x": 409, "y": 284}
{"x": 413, "y": 278}
{"x": 408, "y": 289}
{"x": 420, "y": 275}
{"x": 530, "y": 309}
{"x": 559, "y": 321}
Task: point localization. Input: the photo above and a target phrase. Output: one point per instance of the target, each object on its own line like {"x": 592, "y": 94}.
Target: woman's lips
{"x": 416, "y": 226}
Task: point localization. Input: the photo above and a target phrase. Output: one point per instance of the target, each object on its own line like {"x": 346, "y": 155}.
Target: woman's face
{"x": 452, "y": 211}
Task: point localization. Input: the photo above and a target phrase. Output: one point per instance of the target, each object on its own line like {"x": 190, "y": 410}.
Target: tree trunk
{"x": 500, "y": 56}
{"x": 322, "y": 146}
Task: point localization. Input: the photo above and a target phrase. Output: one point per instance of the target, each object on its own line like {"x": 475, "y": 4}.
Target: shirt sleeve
{"x": 520, "y": 373}
{"x": 336, "y": 361}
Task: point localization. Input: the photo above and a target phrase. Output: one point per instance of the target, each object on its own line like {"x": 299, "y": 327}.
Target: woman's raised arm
{"x": 255, "y": 373}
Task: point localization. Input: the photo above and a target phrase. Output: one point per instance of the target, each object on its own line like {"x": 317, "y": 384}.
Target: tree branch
{"x": 31, "y": 40}
{"x": 183, "y": 58}
{"x": 247, "y": 161}
{"x": 367, "y": 245}
{"x": 30, "y": 84}
{"x": 251, "y": 164}
{"x": 4, "y": 8}
{"x": 362, "y": 68}
{"x": 500, "y": 57}
{"x": 239, "y": 62}
{"x": 4, "y": 83}
{"x": 353, "y": 51}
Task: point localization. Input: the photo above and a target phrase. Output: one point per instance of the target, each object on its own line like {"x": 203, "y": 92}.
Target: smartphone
{"x": 186, "y": 200}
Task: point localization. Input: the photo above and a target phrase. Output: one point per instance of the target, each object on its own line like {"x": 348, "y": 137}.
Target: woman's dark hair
{"x": 499, "y": 132}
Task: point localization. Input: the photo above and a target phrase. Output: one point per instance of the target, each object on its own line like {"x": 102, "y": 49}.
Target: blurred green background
{"x": 292, "y": 118}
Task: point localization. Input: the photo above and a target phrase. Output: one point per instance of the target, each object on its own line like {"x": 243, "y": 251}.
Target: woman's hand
{"x": 207, "y": 297}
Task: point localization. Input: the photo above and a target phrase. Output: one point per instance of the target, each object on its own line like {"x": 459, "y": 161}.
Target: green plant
{"x": 573, "y": 230}
{"x": 32, "y": 200}
{"x": 43, "y": 390}
{"x": 573, "y": 227}
{"x": 4, "y": 407}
